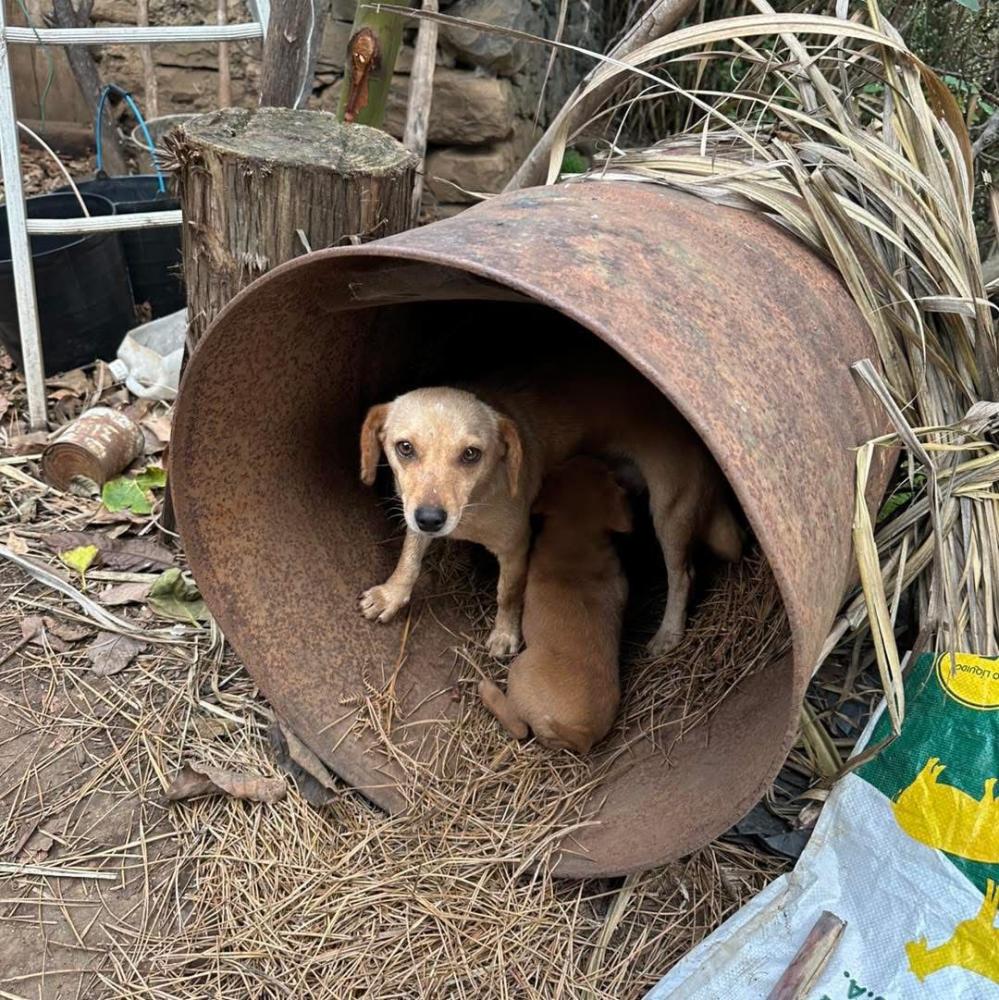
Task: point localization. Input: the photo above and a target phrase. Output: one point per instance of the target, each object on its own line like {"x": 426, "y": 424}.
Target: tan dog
{"x": 564, "y": 686}
{"x": 469, "y": 466}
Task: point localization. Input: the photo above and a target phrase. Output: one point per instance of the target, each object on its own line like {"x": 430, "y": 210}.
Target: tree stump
{"x": 260, "y": 187}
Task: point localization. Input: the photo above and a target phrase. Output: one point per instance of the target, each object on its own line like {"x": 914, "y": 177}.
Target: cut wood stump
{"x": 260, "y": 187}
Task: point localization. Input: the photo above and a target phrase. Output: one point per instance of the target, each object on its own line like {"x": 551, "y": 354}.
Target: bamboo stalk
{"x": 374, "y": 44}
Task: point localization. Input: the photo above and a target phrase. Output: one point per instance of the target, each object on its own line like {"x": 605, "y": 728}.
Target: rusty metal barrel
{"x": 746, "y": 331}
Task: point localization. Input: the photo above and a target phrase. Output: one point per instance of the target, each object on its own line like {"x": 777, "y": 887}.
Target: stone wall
{"x": 487, "y": 88}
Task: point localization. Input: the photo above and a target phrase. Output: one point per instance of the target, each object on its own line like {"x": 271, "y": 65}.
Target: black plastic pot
{"x": 153, "y": 255}
{"x": 81, "y": 283}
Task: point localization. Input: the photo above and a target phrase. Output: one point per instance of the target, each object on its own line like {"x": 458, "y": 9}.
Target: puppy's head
{"x": 584, "y": 493}
{"x": 442, "y": 444}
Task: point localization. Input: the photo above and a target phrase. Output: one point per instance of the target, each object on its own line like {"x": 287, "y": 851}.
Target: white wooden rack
{"x": 18, "y": 224}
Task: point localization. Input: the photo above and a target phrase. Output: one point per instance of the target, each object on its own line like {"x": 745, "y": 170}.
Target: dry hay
{"x": 737, "y": 626}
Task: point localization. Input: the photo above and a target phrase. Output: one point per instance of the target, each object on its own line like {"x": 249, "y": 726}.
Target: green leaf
{"x": 175, "y": 596}
{"x": 573, "y": 162}
{"x": 80, "y": 558}
{"x": 973, "y": 5}
{"x": 901, "y": 497}
{"x": 126, "y": 494}
{"x": 154, "y": 478}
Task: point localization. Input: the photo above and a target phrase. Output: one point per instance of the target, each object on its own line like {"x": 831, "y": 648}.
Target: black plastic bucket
{"x": 153, "y": 255}
{"x": 84, "y": 300}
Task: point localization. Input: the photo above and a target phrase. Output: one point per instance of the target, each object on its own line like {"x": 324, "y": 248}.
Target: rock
{"x": 467, "y": 109}
{"x": 452, "y": 172}
{"x": 496, "y": 53}
{"x": 344, "y": 10}
{"x": 333, "y": 48}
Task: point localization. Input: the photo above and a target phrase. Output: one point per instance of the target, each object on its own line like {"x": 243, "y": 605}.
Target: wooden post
{"x": 291, "y": 49}
{"x": 260, "y": 187}
{"x": 225, "y": 74}
{"x": 421, "y": 95}
{"x": 152, "y": 94}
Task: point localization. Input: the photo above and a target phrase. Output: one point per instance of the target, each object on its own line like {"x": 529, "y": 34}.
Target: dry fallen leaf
{"x": 4, "y": 403}
{"x": 132, "y": 555}
{"x": 199, "y": 779}
{"x": 27, "y": 444}
{"x": 66, "y": 631}
{"x": 124, "y": 593}
{"x": 17, "y": 545}
{"x": 110, "y": 653}
{"x": 36, "y": 849}
{"x": 34, "y": 631}
{"x": 159, "y": 426}
{"x": 129, "y": 554}
{"x": 74, "y": 382}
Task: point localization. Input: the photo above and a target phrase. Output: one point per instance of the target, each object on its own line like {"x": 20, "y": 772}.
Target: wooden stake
{"x": 421, "y": 93}
{"x": 225, "y": 76}
{"x": 810, "y": 959}
{"x": 152, "y": 100}
{"x": 290, "y": 52}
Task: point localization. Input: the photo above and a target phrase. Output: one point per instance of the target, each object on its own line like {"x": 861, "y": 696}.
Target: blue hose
{"x": 112, "y": 88}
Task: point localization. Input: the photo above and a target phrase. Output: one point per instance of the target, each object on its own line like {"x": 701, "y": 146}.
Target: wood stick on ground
{"x": 225, "y": 76}
{"x": 662, "y": 18}
{"x": 810, "y": 959}
{"x": 84, "y": 69}
{"x": 421, "y": 93}
{"x": 152, "y": 97}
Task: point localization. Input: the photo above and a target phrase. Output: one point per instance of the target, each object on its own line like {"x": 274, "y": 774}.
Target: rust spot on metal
{"x": 743, "y": 328}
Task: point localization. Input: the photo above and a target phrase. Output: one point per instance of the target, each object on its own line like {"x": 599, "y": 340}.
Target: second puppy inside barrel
{"x": 565, "y": 685}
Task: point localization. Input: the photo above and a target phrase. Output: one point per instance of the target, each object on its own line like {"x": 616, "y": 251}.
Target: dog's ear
{"x": 514, "y": 454}
{"x": 619, "y": 510}
{"x": 371, "y": 442}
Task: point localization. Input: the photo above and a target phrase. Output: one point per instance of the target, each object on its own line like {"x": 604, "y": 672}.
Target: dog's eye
{"x": 404, "y": 449}
{"x": 471, "y": 455}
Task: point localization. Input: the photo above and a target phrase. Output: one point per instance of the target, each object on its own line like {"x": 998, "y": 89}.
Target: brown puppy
{"x": 469, "y": 465}
{"x": 564, "y": 686}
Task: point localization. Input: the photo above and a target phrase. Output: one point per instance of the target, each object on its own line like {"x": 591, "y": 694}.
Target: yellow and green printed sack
{"x": 906, "y": 851}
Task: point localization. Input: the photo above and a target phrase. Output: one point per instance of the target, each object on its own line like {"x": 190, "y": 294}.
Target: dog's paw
{"x": 382, "y": 603}
{"x": 503, "y": 641}
{"x": 664, "y": 642}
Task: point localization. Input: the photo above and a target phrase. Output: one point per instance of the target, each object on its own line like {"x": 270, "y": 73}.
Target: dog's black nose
{"x": 430, "y": 518}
